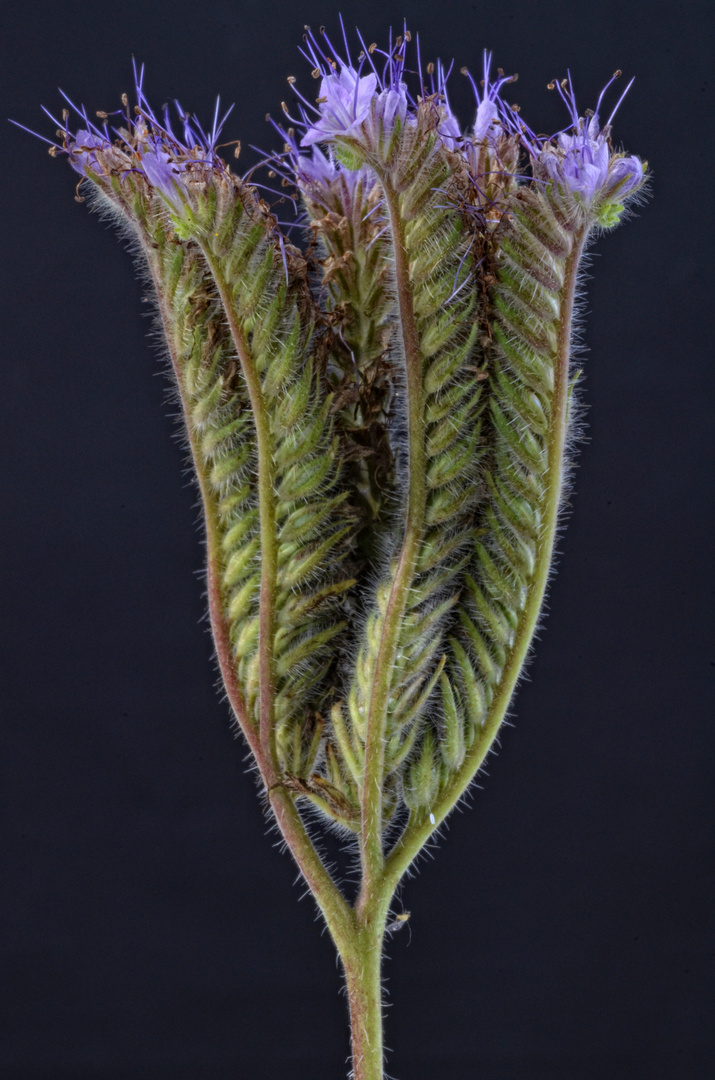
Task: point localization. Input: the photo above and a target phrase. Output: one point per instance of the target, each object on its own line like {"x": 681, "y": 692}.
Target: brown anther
{"x": 430, "y": 68}
{"x": 102, "y": 115}
{"x": 316, "y": 73}
{"x": 462, "y": 71}
{"x": 564, "y": 84}
{"x": 284, "y": 107}
{"x": 322, "y": 30}
{"x": 137, "y": 111}
{"x": 398, "y": 41}
{"x": 285, "y": 182}
{"x": 617, "y": 73}
{"x": 408, "y": 35}
{"x": 271, "y": 173}
{"x": 125, "y": 101}
{"x": 52, "y": 151}
{"x": 237, "y": 151}
{"x": 371, "y": 48}
{"x": 500, "y": 72}
{"x": 400, "y": 57}
{"x": 551, "y": 85}
{"x": 291, "y": 79}
{"x": 65, "y": 114}
{"x": 268, "y": 117}
{"x": 321, "y": 100}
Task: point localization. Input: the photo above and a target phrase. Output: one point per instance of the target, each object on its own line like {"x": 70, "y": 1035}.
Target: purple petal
{"x": 487, "y": 113}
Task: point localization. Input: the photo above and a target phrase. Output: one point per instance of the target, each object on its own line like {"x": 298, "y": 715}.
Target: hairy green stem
{"x": 362, "y": 975}
{"x": 219, "y": 624}
{"x": 267, "y": 517}
{"x": 418, "y": 831}
{"x": 371, "y": 835}
{"x": 336, "y": 911}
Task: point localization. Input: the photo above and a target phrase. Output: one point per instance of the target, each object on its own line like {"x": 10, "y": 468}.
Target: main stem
{"x": 362, "y": 975}
{"x": 371, "y": 836}
{"x": 362, "y": 958}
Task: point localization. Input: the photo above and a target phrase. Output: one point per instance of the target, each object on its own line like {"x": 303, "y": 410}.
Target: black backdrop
{"x": 150, "y": 929}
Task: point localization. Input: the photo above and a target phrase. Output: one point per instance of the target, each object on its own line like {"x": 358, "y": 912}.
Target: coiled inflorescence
{"x": 379, "y": 424}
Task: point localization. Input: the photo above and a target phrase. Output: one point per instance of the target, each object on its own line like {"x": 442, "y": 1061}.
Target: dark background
{"x": 150, "y": 928}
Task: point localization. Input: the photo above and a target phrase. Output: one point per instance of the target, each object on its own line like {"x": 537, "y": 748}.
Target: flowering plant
{"x": 380, "y": 425}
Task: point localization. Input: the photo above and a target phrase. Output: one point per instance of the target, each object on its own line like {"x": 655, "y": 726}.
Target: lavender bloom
{"x": 487, "y": 115}
{"x": 449, "y": 130}
{"x": 391, "y": 105}
{"x": 316, "y": 169}
{"x": 352, "y": 105}
{"x": 156, "y": 165}
{"x": 345, "y": 100}
{"x": 144, "y": 146}
{"x": 582, "y": 163}
{"x": 487, "y": 123}
{"x": 320, "y": 176}
{"x": 81, "y": 151}
{"x": 624, "y": 176}
{"x": 581, "y": 159}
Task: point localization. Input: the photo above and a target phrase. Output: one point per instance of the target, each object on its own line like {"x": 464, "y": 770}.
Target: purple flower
{"x": 160, "y": 171}
{"x": 352, "y": 105}
{"x": 82, "y": 149}
{"x": 320, "y": 176}
{"x": 487, "y": 115}
{"x": 625, "y": 175}
{"x": 487, "y": 123}
{"x": 143, "y": 145}
{"x": 316, "y": 169}
{"x": 448, "y": 129}
{"x": 391, "y": 105}
{"x": 345, "y": 100}
{"x": 581, "y": 158}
